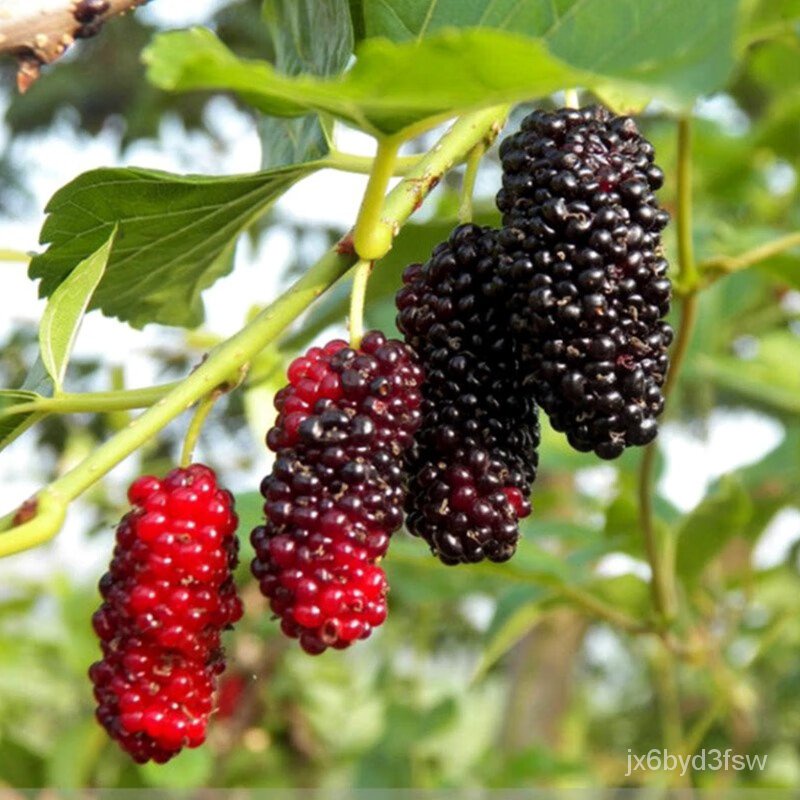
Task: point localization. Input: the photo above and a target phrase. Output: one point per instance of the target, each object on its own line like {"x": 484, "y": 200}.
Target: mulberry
{"x": 475, "y": 455}
{"x": 167, "y": 596}
{"x": 583, "y": 228}
{"x": 336, "y": 490}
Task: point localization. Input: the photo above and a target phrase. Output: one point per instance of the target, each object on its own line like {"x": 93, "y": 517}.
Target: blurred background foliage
{"x": 492, "y": 676}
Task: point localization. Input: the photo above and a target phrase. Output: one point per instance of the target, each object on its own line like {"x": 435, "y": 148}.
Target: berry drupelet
{"x": 335, "y": 493}
{"x": 471, "y": 469}
{"x": 167, "y": 596}
{"x": 584, "y": 230}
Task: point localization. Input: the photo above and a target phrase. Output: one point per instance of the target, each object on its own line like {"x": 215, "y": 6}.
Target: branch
{"x": 38, "y": 32}
{"x": 237, "y": 351}
{"x": 718, "y": 266}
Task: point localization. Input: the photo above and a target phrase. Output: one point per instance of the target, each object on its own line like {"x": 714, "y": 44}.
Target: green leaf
{"x": 663, "y": 44}
{"x": 678, "y": 48}
{"x": 719, "y": 517}
{"x": 401, "y": 20}
{"x": 308, "y": 36}
{"x": 64, "y": 313}
{"x": 518, "y": 611}
{"x": 771, "y": 378}
{"x": 391, "y": 88}
{"x": 175, "y": 236}
{"x": 15, "y": 425}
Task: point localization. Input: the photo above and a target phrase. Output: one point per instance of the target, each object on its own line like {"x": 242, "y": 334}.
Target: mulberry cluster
{"x": 167, "y": 596}
{"x": 475, "y": 457}
{"x": 336, "y": 490}
{"x": 583, "y": 228}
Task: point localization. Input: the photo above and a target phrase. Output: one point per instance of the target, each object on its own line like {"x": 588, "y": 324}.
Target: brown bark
{"x": 37, "y": 32}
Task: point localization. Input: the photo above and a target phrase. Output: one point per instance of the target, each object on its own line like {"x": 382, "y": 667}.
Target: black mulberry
{"x": 471, "y": 469}
{"x": 583, "y": 228}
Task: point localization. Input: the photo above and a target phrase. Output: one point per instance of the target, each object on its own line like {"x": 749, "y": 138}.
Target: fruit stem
{"x": 231, "y": 354}
{"x": 372, "y": 235}
{"x": 571, "y": 99}
{"x": 465, "y": 209}
{"x": 358, "y": 296}
{"x": 196, "y": 425}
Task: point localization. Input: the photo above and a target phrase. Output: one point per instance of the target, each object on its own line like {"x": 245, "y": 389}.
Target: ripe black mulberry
{"x": 583, "y": 228}
{"x": 475, "y": 457}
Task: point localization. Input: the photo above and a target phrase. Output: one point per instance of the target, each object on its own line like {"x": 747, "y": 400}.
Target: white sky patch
{"x": 615, "y": 564}
{"x": 181, "y": 15}
{"x": 735, "y": 439}
{"x": 479, "y": 610}
{"x": 777, "y": 539}
{"x": 599, "y": 482}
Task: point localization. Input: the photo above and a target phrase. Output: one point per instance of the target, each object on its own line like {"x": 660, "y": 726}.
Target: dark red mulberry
{"x": 335, "y": 493}
{"x": 475, "y": 457}
{"x": 583, "y": 227}
{"x": 167, "y": 596}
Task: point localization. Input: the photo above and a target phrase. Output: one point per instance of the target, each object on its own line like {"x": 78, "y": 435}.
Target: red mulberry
{"x": 336, "y": 490}
{"x": 167, "y": 596}
{"x": 584, "y": 228}
{"x": 475, "y": 458}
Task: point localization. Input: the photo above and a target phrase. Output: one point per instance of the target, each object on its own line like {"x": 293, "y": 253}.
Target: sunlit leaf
{"x": 65, "y": 309}
{"x": 175, "y": 236}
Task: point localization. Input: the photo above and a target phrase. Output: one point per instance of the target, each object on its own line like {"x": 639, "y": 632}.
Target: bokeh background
{"x": 486, "y": 676}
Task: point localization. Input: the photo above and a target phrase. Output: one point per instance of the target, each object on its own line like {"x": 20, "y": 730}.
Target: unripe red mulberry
{"x": 335, "y": 493}
{"x": 475, "y": 457}
{"x": 167, "y": 597}
{"x": 584, "y": 230}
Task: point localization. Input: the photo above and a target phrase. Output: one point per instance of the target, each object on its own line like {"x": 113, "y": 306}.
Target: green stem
{"x": 358, "y": 296}
{"x": 724, "y": 265}
{"x": 92, "y": 402}
{"x": 468, "y": 186}
{"x": 15, "y": 256}
{"x": 687, "y": 268}
{"x": 372, "y": 235}
{"x": 196, "y": 425}
{"x": 243, "y": 346}
{"x": 571, "y": 99}
{"x": 49, "y": 511}
{"x": 660, "y": 554}
{"x": 362, "y": 165}
{"x": 662, "y": 602}
{"x": 683, "y": 339}
{"x": 601, "y": 610}
{"x": 668, "y": 698}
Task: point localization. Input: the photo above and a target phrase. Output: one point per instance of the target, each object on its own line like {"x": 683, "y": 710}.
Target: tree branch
{"x": 37, "y": 32}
